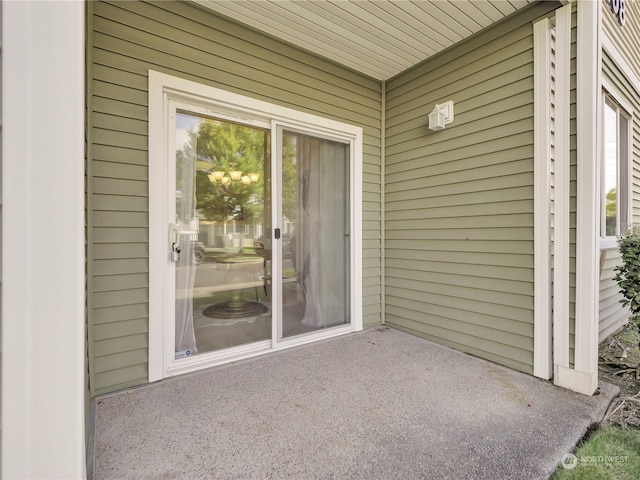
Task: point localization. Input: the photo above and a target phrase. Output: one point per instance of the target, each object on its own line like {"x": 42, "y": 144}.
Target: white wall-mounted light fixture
{"x": 441, "y": 115}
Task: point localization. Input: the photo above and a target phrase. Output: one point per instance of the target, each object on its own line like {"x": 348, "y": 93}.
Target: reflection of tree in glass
{"x": 289, "y": 196}
{"x": 612, "y": 201}
{"x": 611, "y": 211}
{"x": 226, "y": 146}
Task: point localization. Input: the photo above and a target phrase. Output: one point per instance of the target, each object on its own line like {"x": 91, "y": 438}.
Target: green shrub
{"x": 628, "y": 274}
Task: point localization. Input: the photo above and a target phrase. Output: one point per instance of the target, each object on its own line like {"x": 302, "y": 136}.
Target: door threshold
{"x": 219, "y": 357}
{"x": 244, "y": 352}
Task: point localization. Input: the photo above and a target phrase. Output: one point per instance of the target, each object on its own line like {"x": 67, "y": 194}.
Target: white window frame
{"x": 165, "y": 88}
{"x": 608, "y": 242}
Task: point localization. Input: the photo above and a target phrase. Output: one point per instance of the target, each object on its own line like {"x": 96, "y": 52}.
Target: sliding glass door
{"x": 254, "y": 227}
{"x": 222, "y": 239}
{"x": 315, "y": 206}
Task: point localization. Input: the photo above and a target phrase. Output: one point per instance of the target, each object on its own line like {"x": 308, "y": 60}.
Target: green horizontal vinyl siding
{"x": 573, "y": 185}
{"x": 625, "y": 38}
{"x": 459, "y": 202}
{"x": 612, "y": 315}
{"x": 126, "y": 39}
{"x": 573, "y": 180}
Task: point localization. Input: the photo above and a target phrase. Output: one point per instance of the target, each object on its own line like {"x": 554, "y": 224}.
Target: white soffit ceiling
{"x": 379, "y": 38}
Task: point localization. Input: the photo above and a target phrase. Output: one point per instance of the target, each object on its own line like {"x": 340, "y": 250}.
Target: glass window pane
{"x": 623, "y": 166}
{"x": 610, "y": 171}
{"x": 223, "y": 215}
{"x": 316, "y": 244}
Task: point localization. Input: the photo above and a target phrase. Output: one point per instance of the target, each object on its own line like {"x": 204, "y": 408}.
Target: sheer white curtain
{"x": 323, "y": 224}
{"x": 187, "y": 221}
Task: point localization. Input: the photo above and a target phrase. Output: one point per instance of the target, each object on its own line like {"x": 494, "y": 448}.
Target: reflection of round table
{"x": 236, "y": 307}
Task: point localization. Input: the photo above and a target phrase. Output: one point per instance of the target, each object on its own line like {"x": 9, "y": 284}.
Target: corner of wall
{"x": 383, "y": 255}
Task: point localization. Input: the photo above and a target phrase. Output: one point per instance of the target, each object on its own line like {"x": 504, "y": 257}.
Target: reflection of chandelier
{"x": 225, "y": 178}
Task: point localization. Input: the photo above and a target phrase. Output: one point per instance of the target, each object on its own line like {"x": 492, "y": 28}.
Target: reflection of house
{"x": 485, "y": 236}
{"x": 228, "y": 234}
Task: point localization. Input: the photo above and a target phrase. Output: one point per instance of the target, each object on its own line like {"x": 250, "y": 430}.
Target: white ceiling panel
{"x": 379, "y": 38}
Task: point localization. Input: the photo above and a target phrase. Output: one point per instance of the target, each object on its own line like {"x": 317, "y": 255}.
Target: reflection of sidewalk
{"x": 226, "y": 256}
{"x": 220, "y": 277}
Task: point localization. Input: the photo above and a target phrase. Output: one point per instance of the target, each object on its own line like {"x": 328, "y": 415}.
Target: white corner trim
{"x": 158, "y": 145}
{"x": 588, "y": 205}
{"x": 43, "y": 240}
{"x": 581, "y": 382}
{"x": 357, "y": 320}
{"x": 542, "y": 324}
{"x": 562, "y": 211}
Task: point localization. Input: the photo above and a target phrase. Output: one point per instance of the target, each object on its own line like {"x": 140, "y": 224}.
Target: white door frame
{"x": 224, "y": 104}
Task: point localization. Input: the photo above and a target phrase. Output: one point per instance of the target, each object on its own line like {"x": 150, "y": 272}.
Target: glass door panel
{"x": 315, "y": 234}
{"x": 222, "y": 223}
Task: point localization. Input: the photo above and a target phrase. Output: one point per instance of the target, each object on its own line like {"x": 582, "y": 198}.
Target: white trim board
{"x": 584, "y": 378}
{"x": 561, "y": 297}
{"x": 43, "y": 262}
{"x": 542, "y": 324}
{"x": 551, "y": 318}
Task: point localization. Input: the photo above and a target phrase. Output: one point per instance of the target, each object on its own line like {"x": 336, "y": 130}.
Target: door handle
{"x": 174, "y": 236}
{"x": 174, "y": 242}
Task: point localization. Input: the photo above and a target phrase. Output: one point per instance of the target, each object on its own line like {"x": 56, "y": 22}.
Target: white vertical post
{"x": 43, "y": 321}
{"x": 587, "y": 294}
{"x": 583, "y": 377}
{"x": 542, "y": 355}
{"x": 562, "y": 199}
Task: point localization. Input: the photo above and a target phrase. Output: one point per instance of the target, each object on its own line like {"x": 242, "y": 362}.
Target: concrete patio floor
{"x": 380, "y": 404}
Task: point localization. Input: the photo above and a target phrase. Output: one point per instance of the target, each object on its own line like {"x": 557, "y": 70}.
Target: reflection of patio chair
{"x": 266, "y": 256}
{"x": 260, "y": 250}
{"x": 267, "y": 275}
